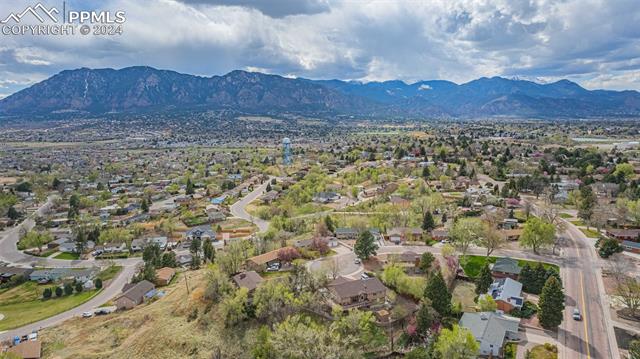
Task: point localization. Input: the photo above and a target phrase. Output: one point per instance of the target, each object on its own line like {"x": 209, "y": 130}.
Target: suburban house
{"x": 440, "y": 234}
{"x": 160, "y": 241}
{"x": 134, "y": 294}
{"x": 624, "y": 234}
{"x": 631, "y": 246}
{"x": 137, "y": 245}
{"x": 54, "y": 274}
{"x": 325, "y": 197}
{"x": 164, "y": 275}
{"x": 507, "y": 294}
{"x": 346, "y": 233}
{"x": 491, "y": 330}
{"x": 202, "y": 233}
{"x": 6, "y": 273}
{"x": 114, "y": 247}
{"x": 261, "y": 262}
{"x": 250, "y": 280}
{"x": 68, "y": 247}
{"x": 28, "y": 349}
{"x": 358, "y": 293}
{"x": 505, "y": 267}
{"x": 403, "y": 234}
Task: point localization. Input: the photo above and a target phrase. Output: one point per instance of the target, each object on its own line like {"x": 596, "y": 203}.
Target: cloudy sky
{"x": 595, "y": 43}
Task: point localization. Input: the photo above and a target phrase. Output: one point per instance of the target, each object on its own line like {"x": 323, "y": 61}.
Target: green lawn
{"x": 565, "y": 215}
{"x": 473, "y": 264}
{"x": 590, "y": 233}
{"x": 68, "y": 256}
{"x": 23, "y": 305}
{"x": 578, "y": 222}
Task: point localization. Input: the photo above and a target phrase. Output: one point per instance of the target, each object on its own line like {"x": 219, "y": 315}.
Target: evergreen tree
{"x": 79, "y": 287}
{"x": 97, "y": 283}
{"x": 208, "y": 251}
{"x": 484, "y": 280}
{"x": 68, "y": 289}
{"x": 329, "y": 222}
{"x": 59, "y": 292}
{"x": 438, "y": 293}
{"x": 190, "y": 187}
{"x": 424, "y": 319}
{"x": 144, "y": 206}
{"x": 427, "y": 222}
{"x": 426, "y": 260}
{"x": 46, "y": 294}
{"x": 425, "y": 172}
{"x": 169, "y": 259}
{"x": 551, "y": 304}
{"x": 365, "y": 246}
{"x": 12, "y": 213}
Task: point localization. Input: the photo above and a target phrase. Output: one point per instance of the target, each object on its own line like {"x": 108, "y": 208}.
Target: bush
{"x": 59, "y": 292}
{"x": 607, "y": 247}
{"x": 68, "y": 289}
{"x": 98, "y": 283}
{"x": 79, "y": 287}
{"x": 527, "y": 311}
{"x": 46, "y": 294}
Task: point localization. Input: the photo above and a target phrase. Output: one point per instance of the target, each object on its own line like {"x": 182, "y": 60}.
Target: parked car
{"x": 357, "y": 261}
{"x": 576, "y": 314}
{"x": 364, "y": 276}
{"x": 87, "y": 314}
{"x": 273, "y": 267}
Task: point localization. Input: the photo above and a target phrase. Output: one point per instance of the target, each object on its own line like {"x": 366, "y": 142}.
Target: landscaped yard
{"x": 23, "y": 305}
{"x": 546, "y": 351}
{"x": 473, "y": 264}
{"x": 68, "y": 256}
{"x": 463, "y": 293}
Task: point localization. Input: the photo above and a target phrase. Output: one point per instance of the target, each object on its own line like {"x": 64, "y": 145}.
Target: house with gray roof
{"x": 507, "y": 294}
{"x": 491, "y": 330}
{"x": 506, "y": 267}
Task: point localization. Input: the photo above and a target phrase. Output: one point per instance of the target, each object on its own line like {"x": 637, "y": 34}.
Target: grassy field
{"x": 68, "y": 256}
{"x": 473, "y": 264}
{"x": 162, "y": 328}
{"x": 24, "y": 304}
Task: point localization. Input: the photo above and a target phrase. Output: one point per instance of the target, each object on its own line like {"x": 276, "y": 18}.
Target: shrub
{"x": 527, "y": 311}
{"x": 46, "y": 294}
{"x": 68, "y": 289}
{"x": 59, "y": 292}
{"x": 79, "y": 287}
{"x": 607, "y": 247}
{"x": 98, "y": 283}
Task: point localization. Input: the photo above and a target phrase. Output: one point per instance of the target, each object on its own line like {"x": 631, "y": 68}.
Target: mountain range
{"x": 141, "y": 88}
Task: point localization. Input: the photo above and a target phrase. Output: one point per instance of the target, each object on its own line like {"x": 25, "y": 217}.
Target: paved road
{"x": 593, "y": 336}
{"x": 238, "y": 209}
{"x": 104, "y": 296}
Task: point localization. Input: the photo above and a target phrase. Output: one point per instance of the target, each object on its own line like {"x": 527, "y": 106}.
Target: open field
{"x": 24, "y": 304}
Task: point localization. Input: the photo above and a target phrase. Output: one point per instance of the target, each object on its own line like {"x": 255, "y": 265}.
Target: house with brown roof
{"x": 261, "y": 262}
{"x": 164, "y": 275}
{"x": 134, "y": 294}
{"x": 250, "y": 280}
{"x": 624, "y": 234}
{"x": 29, "y": 349}
{"x": 359, "y": 293}
{"x": 403, "y": 234}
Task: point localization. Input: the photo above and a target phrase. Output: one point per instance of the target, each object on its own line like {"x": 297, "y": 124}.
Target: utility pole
{"x": 186, "y": 283}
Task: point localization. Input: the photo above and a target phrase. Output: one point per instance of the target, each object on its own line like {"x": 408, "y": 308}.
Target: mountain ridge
{"x": 144, "y": 88}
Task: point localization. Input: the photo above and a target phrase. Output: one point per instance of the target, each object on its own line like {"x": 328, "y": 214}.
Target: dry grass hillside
{"x": 176, "y": 326}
